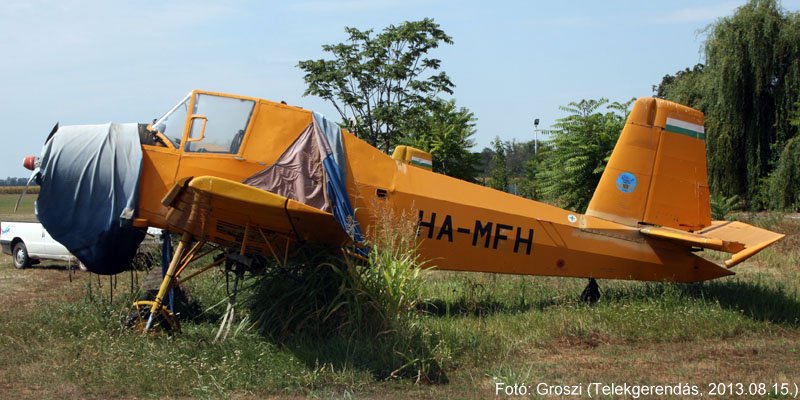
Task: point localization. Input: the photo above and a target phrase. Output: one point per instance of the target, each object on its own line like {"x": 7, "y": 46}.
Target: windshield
{"x": 173, "y": 122}
{"x": 226, "y": 120}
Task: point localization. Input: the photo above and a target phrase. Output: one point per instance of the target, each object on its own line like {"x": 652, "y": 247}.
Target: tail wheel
{"x": 21, "y": 259}
{"x": 163, "y": 321}
{"x": 591, "y": 294}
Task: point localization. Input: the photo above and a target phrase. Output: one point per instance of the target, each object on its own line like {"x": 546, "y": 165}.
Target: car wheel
{"x": 21, "y": 259}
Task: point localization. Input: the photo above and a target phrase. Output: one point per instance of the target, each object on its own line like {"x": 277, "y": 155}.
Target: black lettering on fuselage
{"x": 447, "y": 229}
{"x": 481, "y": 231}
{"x": 498, "y": 235}
{"x": 528, "y": 241}
{"x": 429, "y": 225}
{"x": 484, "y": 234}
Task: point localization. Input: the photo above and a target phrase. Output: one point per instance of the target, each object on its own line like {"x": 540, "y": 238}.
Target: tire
{"x": 20, "y": 255}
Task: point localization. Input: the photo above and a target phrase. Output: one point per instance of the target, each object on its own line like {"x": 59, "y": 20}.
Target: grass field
{"x": 8, "y": 200}
{"x": 61, "y": 336}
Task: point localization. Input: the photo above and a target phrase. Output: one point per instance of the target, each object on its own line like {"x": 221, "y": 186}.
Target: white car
{"x": 29, "y": 242}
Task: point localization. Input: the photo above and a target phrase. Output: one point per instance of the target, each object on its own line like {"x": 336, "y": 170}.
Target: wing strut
{"x": 291, "y": 223}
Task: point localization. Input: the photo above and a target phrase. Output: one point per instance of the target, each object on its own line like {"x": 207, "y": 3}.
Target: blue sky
{"x": 82, "y": 62}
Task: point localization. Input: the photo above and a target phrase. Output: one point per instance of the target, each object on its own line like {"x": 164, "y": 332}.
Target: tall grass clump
{"x": 355, "y": 312}
{"x": 384, "y": 288}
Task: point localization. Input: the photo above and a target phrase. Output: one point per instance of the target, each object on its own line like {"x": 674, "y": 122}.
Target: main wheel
{"x": 21, "y": 259}
{"x": 163, "y": 321}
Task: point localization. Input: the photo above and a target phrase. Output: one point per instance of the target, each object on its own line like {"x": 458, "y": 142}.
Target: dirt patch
{"x": 592, "y": 339}
{"x": 42, "y": 282}
{"x": 745, "y": 359}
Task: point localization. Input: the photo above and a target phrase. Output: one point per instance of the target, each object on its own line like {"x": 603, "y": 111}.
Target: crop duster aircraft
{"x": 258, "y": 177}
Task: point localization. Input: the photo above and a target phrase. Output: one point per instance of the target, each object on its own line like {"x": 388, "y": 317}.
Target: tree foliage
{"x": 517, "y": 156}
{"x": 498, "y": 176}
{"x": 528, "y": 185}
{"x": 784, "y": 182}
{"x": 685, "y": 87}
{"x": 751, "y": 82}
{"x": 446, "y": 132}
{"x": 582, "y": 143}
{"x": 380, "y": 82}
{"x": 521, "y": 164}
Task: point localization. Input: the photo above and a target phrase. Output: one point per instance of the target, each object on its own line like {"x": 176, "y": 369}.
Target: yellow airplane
{"x": 258, "y": 177}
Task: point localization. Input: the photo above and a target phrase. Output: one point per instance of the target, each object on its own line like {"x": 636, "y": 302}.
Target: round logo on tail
{"x": 626, "y": 182}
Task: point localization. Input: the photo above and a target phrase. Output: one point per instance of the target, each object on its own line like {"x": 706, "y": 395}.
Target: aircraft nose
{"x": 30, "y": 162}
{"x": 88, "y": 195}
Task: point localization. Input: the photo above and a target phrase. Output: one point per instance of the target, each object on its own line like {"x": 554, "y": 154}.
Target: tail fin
{"x": 657, "y": 171}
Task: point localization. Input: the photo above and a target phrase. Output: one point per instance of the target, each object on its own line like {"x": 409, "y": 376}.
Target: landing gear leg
{"x": 157, "y": 307}
{"x": 592, "y": 292}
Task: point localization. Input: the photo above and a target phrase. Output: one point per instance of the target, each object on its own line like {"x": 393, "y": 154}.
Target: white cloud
{"x": 699, "y": 14}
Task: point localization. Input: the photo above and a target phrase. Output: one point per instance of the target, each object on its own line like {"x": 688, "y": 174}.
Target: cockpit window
{"x": 226, "y": 121}
{"x": 173, "y": 122}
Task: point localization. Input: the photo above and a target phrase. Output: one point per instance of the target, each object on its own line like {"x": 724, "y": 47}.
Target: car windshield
{"x": 173, "y": 122}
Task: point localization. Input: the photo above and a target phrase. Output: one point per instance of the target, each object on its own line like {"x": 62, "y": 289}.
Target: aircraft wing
{"x": 740, "y": 239}
{"x": 219, "y": 210}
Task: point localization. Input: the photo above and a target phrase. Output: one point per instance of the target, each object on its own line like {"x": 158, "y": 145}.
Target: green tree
{"x": 380, "y": 82}
{"x": 498, "y": 176}
{"x": 783, "y": 184}
{"x": 529, "y": 186}
{"x": 582, "y": 143}
{"x": 485, "y": 161}
{"x": 751, "y": 83}
{"x": 685, "y": 87}
{"x": 446, "y": 132}
{"x": 517, "y": 155}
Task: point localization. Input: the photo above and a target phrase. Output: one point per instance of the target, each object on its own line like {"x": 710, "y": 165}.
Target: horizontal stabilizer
{"x": 691, "y": 239}
{"x": 740, "y": 239}
{"x": 754, "y": 239}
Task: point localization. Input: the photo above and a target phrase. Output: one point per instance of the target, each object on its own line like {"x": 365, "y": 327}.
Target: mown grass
{"x": 25, "y": 212}
{"x": 83, "y": 345}
{"x": 478, "y": 328}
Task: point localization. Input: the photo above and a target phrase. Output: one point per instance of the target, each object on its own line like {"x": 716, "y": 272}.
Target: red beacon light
{"x": 30, "y": 162}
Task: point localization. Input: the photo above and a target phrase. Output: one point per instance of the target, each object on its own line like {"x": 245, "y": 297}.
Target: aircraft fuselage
{"x": 462, "y": 226}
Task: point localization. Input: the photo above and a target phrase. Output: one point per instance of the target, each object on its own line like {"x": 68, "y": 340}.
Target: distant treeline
{"x": 13, "y": 181}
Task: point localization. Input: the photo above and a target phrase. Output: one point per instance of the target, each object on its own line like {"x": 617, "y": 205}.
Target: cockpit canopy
{"x": 216, "y": 123}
